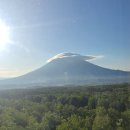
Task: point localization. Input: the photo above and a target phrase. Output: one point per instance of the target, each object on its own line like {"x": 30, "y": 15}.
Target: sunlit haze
{"x": 41, "y": 29}
{"x": 4, "y": 35}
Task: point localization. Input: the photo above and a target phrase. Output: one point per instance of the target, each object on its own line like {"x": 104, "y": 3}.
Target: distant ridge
{"x": 70, "y": 69}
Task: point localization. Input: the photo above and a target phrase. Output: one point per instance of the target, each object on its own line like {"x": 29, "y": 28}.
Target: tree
{"x": 50, "y": 121}
{"x": 92, "y": 103}
{"x": 102, "y": 120}
{"x": 126, "y": 120}
{"x": 73, "y": 123}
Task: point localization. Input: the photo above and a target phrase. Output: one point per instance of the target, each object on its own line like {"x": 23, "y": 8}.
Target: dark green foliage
{"x": 66, "y": 108}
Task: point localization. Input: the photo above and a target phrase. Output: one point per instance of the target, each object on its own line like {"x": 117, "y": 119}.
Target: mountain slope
{"x": 71, "y": 70}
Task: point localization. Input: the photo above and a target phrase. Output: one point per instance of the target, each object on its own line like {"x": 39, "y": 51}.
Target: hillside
{"x": 72, "y": 70}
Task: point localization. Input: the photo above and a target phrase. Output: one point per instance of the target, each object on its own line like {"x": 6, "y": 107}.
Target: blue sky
{"x": 40, "y": 29}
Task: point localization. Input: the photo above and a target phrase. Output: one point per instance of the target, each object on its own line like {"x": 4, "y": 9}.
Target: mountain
{"x": 1, "y": 78}
{"x": 70, "y": 68}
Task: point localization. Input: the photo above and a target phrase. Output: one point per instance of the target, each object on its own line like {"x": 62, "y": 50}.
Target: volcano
{"x": 70, "y": 69}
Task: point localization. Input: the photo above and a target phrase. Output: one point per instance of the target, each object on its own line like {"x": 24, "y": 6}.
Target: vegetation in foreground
{"x": 66, "y": 108}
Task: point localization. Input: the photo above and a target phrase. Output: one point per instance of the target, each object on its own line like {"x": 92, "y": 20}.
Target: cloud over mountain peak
{"x": 73, "y": 55}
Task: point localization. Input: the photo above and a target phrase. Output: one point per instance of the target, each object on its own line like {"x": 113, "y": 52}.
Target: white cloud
{"x": 75, "y": 55}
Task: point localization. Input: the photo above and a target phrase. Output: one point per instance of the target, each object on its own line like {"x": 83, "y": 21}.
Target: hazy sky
{"x": 40, "y": 29}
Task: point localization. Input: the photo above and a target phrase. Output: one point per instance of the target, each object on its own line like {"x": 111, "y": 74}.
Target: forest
{"x": 102, "y": 107}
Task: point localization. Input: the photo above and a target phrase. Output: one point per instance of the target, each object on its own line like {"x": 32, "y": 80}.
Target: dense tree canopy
{"x": 66, "y": 108}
